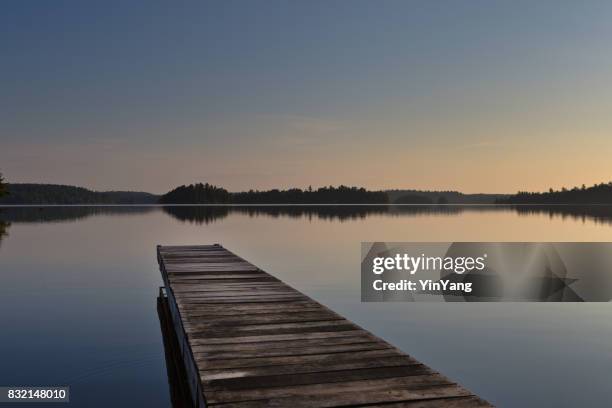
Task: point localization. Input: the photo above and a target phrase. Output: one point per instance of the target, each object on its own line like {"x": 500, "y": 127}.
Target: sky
{"x": 475, "y": 96}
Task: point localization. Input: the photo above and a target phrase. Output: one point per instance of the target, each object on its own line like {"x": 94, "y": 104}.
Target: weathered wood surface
{"x": 256, "y": 342}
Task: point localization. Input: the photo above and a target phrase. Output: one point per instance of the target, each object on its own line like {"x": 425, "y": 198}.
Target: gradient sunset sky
{"x": 476, "y": 96}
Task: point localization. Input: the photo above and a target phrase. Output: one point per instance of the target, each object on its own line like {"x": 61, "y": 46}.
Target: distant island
{"x": 597, "y": 194}
{"x": 209, "y": 194}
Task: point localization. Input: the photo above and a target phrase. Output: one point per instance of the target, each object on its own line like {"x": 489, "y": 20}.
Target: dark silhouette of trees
{"x": 196, "y": 194}
{"x": 61, "y": 194}
{"x": 3, "y": 188}
{"x": 324, "y": 195}
{"x": 440, "y": 197}
{"x": 413, "y": 199}
{"x": 597, "y": 194}
{"x": 3, "y": 225}
{"x": 209, "y": 194}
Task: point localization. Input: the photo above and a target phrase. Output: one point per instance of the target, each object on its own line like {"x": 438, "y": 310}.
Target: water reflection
{"x": 3, "y": 230}
{"x": 209, "y": 214}
{"x": 97, "y": 277}
{"x": 31, "y": 214}
{"x": 198, "y": 214}
{"x": 206, "y": 214}
{"x": 598, "y": 213}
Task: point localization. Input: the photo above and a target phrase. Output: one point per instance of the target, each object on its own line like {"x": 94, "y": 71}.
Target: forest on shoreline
{"x": 32, "y": 194}
{"x": 596, "y": 194}
{"x": 205, "y": 193}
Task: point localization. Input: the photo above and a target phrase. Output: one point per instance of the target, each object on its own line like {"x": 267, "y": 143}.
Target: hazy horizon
{"x": 476, "y": 97}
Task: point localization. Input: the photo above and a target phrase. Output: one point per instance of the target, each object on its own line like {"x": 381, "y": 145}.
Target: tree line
{"x": 27, "y": 193}
{"x": 205, "y": 193}
{"x": 596, "y": 194}
{"x": 209, "y": 194}
{"x": 3, "y": 189}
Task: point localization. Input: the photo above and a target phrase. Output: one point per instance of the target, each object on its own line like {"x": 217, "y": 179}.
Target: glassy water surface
{"x": 79, "y": 288}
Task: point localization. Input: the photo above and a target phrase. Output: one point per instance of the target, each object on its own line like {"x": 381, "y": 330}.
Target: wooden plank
{"x": 277, "y": 337}
{"x": 257, "y": 342}
{"x": 263, "y": 318}
{"x": 319, "y": 377}
{"x": 450, "y": 402}
{"x": 442, "y": 396}
{"x": 237, "y": 295}
{"x": 245, "y": 299}
{"x": 284, "y": 343}
{"x": 334, "y": 365}
{"x": 229, "y": 268}
{"x": 260, "y": 307}
{"x": 192, "y": 311}
{"x": 275, "y": 328}
{"x": 350, "y": 392}
{"x": 304, "y": 359}
{"x": 297, "y": 351}
{"x": 218, "y": 276}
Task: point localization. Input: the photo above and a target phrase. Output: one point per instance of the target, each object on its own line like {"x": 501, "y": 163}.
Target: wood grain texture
{"x": 257, "y": 342}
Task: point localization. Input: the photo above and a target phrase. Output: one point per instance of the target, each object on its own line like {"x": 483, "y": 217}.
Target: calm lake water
{"x": 79, "y": 288}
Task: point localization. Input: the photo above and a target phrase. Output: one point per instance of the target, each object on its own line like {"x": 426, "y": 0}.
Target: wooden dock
{"x": 249, "y": 340}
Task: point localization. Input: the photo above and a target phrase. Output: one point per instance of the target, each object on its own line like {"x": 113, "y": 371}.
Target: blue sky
{"x": 469, "y": 95}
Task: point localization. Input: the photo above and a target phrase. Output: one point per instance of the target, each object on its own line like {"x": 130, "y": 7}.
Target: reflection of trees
{"x": 66, "y": 213}
{"x": 208, "y": 214}
{"x": 596, "y": 213}
{"x": 197, "y": 214}
{"x": 3, "y": 230}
